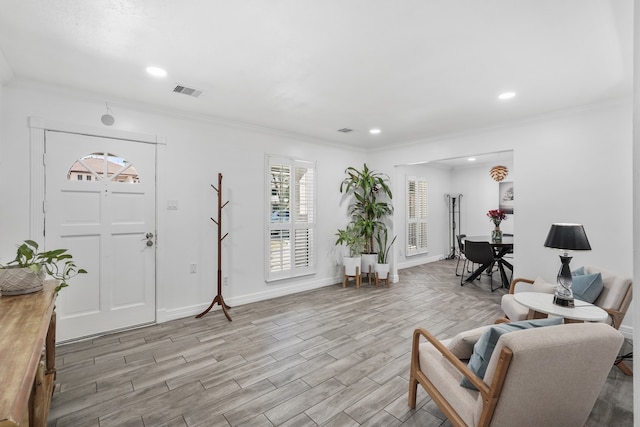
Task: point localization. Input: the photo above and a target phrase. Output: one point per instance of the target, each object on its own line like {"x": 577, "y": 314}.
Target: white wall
{"x": 195, "y": 151}
{"x": 479, "y": 195}
{"x": 438, "y": 184}
{"x": 571, "y": 167}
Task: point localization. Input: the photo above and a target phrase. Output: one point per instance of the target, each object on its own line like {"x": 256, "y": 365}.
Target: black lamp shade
{"x": 568, "y": 237}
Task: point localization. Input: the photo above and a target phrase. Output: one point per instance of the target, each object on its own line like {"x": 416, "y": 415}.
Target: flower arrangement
{"x": 497, "y": 216}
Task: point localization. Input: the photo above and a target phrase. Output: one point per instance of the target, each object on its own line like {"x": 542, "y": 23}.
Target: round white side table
{"x": 539, "y": 302}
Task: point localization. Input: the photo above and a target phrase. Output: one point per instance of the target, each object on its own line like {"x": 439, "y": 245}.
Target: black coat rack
{"x": 454, "y": 202}
{"x": 218, "y": 298}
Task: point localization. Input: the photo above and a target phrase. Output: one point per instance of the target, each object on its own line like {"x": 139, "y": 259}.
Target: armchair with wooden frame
{"x": 615, "y": 299}
{"x": 534, "y": 377}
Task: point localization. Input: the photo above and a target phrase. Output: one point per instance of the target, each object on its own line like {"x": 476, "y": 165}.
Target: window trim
{"x": 292, "y": 225}
{"x": 408, "y": 220}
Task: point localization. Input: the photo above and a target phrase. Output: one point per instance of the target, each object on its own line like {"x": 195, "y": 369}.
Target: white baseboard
{"x": 283, "y": 290}
{"x": 415, "y": 261}
{"x": 164, "y": 315}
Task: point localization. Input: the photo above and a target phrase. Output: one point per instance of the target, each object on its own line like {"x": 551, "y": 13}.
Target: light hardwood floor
{"x": 330, "y": 357}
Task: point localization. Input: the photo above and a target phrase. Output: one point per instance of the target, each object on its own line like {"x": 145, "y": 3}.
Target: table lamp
{"x": 566, "y": 237}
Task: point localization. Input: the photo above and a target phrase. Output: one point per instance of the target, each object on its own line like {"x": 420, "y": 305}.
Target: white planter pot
{"x": 383, "y": 271}
{"x": 369, "y": 263}
{"x": 20, "y": 281}
{"x": 351, "y": 265}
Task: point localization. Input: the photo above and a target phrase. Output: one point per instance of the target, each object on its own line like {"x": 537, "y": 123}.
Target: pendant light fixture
{"x": 107, "y": 118}
{"x": 499, "y": 172}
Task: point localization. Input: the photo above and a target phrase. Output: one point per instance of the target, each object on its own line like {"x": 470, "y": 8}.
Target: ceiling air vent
{"x": 187, "y": 91}
{"x": 345, "y": 130}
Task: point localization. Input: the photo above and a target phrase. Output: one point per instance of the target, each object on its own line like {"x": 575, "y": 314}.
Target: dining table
{"x": 500, "y": 249}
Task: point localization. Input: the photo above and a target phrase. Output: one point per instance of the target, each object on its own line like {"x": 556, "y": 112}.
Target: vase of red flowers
{"x": 496, "y": 216}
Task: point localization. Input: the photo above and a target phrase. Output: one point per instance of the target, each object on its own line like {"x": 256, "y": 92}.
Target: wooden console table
{"x": 27, "y": 372}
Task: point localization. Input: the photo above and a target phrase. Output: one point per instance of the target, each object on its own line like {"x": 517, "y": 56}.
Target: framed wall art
{"x": 505, "y": 202}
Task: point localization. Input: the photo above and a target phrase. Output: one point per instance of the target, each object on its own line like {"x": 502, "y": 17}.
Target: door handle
{"x": 149, "y": 237}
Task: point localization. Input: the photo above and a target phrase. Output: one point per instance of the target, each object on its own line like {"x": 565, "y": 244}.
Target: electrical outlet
{"x": 225, "y": 280}
{"x": 193, "y": 268}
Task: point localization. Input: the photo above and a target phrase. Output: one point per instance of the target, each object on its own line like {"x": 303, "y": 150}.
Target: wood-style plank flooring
{"x": 328, "y": 357}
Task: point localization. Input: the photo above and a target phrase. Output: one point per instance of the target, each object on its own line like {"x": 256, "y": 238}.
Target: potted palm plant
{"x": 369, "y": 207}
{"x": 352, "y": 239}
{"x": 27, "y": 271}
{"x": 382, "y": 266}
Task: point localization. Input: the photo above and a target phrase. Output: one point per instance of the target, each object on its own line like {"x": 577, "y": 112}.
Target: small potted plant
{"x": 382, "y": 266}
{"x": 354, "y": 240}
{"x": 26, "y": 273}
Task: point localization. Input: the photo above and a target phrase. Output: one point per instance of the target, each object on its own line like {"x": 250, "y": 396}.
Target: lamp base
{"x": 562, "y": 301}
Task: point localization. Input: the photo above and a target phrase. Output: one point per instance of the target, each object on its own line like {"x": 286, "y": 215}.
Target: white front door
{"x": 100, "y": 205}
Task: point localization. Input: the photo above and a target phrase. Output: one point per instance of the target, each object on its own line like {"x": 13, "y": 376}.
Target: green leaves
{"x": 367, "y": 211}
{"x": 365, "y": 181}
{"x": 58, "y": 263}
{"x": 35, "y": 268}
{"x": 352, "y": 238}
{"x": 383, "y": 248}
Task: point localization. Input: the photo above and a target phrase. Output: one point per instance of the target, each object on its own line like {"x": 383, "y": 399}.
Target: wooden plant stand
{"x": 378, "y": 280}
{"x": 357, "y": 278}
{"x": 218, "y": 298}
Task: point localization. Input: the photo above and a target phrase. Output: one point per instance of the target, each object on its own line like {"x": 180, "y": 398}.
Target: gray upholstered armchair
{"x": 615, "y": 297}
{"x": 547, "y": 376}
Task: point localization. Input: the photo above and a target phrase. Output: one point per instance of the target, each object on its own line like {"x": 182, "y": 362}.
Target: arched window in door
{"x": 103, "y": 167}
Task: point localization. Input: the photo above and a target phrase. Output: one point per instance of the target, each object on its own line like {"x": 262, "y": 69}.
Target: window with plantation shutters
{"x": 416, "y": 215}
{"x": 290, "y": 218}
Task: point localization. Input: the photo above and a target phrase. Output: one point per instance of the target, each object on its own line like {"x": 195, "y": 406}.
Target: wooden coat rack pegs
{"x": 219, "y": 299}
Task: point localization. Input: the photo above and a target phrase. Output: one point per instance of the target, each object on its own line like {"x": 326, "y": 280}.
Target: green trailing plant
{"x": 352, "y": 238}
{"x": 57, "y": 263}
{"x": 367, "y": 211}
{"x": 384, "y": 249}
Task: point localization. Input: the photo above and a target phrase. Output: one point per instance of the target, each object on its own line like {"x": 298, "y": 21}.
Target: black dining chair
{"x": 460, "y": 251}
{"x": 461, "y": 256}
{"x": 480, "y": 253}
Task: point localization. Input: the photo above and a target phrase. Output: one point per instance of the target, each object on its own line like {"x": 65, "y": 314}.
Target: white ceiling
{"x": 413, "y": 68}
{"x": 476, "y": 160}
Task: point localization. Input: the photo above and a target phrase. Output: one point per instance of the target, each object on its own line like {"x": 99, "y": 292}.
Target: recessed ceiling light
{"x": 471, "y": 159}
{"x": 156, "y": 72}
{"x": 374, "y": 131}
{"x": 506, "y": 95}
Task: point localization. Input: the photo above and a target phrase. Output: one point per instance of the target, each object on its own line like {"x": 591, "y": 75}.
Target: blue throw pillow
{"x": 483, "y": 349}
{"x": 578, "y": 272}
{"x": 587, "y": 287}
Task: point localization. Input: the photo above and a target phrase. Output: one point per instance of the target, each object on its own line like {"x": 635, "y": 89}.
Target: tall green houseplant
{"x": 368, "y": 210}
